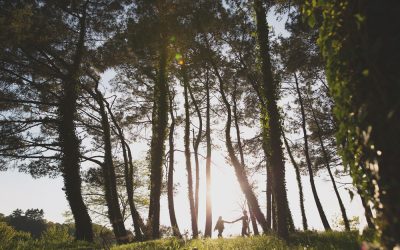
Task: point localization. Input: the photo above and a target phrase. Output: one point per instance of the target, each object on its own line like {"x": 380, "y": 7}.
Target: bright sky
{"x": 19, "y": 190}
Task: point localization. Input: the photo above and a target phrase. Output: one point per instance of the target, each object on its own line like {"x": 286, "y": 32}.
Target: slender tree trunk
{"x": 308, "y": 160}
{"x": 160, "y": 123}
{"x": 239, "y": 171}
{"x": 300, "y": 186}
{"x": 239, "y": 141}
{"x": 196, "y": 143}
{"x": 137, "y": 218}
{"x": 208, "y": 226}
{"x": 138, "y": 224}
{"x": 273, "y": 121}
{"x": 170, "y": 184}
{"x": 328, "y": 167}
{"x": 69, "y": 143}
{"x": 367, "y": 211}
{"x": 110, "y": 185}
{"x": 187, "y": 155}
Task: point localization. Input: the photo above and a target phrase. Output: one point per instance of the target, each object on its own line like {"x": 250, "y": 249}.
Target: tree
{"x": 196, "y": 143}
{"x": 240, "y": 149}
{"x": 170, "y": 182}
{"x": 298, "y": 178}
{"x": 109, "y": 177}
{"x": 208, "y": 226}
{"x": 239, "y": 170}
{"x": 53, "y": 42}
{"x": 308, "y": 160}
{"x": 272, "y": 122}
{"x": 328, "y": 167}
{"x": 30, "y": 221}
{"x": 368, "y": 123}
{"x": 150, "y": 15}
{"x": 186, "y": 83}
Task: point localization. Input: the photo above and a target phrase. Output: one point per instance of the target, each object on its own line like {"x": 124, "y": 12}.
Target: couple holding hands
{"x": 245, "y": 224}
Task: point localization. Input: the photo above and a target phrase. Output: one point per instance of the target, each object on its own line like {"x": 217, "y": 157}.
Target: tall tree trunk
{"x": 196, "y": 143}
{"x": 300, "y": 186}
{"x": 239, "y": 141}
{"x": 70, "y": 166}
{"x": 239, "y": 171}
{"x": 138, "y": 224}
{"x": 170, "y": 185}
{"x": 160, "y": 123}
{"x": 328, "y": 167}
{"x": 110, "y": 185}
{"x": 273, "y": 122}
{"x": 208, "y": 226}
{"x": 187, "y": 155}
{"x": 308, "y": 160}
{"x": 69, "y": 143}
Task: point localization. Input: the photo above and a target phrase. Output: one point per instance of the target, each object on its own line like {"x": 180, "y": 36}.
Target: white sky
{"x": 19, "y": 190}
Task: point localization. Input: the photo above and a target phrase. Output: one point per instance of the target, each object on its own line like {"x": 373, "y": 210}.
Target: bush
{"x": 55, "y": 237}
{"x": 326, "y": 240}
{"x": 12, "y": 239}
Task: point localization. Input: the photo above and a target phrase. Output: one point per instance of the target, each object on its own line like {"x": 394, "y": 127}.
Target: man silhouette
{"x": 245, "y": 223}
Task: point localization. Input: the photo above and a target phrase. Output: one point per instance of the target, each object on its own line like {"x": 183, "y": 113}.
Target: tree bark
{"x": 170, "y": 185}
{"x": 208, "y": 226}
{"x": 308, "y": 160}
{"x": 187, "y": 155}
{"x": 300, "y": 186}
{"x": 273, "y": 121}
{"x": 160, "y": 123}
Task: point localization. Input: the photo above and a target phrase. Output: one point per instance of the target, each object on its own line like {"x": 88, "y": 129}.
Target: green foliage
{"x": 10, "y": 238}
{"x": 55, "y": 237}
{"x": 56, "y": 234}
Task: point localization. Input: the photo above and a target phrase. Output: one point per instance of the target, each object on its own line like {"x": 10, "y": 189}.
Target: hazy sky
{"x": 19, "y": 190}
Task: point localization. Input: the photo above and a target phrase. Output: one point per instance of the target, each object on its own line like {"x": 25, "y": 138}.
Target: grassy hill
{"x": 308, "y": 240}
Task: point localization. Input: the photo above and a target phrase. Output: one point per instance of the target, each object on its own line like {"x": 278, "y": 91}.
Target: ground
{"x": 307, "y": 240}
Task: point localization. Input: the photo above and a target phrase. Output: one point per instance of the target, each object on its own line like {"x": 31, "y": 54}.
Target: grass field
{"x": 306, "y": 240}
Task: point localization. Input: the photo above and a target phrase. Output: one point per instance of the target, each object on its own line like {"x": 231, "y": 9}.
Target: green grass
{"x": 301, "y": 240}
